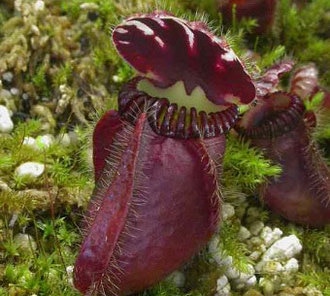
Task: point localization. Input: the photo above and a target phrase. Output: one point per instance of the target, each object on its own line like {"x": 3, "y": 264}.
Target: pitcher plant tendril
{"x": 158, "y": 158}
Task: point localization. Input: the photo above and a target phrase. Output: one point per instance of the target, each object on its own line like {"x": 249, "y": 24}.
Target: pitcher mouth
{"x": 172, "y": 120}
{"x": 274, "y": 115}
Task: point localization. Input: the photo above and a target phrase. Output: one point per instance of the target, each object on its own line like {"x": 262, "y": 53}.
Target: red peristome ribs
{"x": 109, "y": 211}
{"x": 167, "y": 49}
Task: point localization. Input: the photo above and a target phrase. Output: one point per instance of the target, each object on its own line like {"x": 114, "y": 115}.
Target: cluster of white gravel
{"x": 273, "y": 255}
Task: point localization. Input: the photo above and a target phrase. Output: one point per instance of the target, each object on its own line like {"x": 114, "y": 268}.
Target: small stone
{"x": 256, "y": 227}
{"x": 270, "y": 236}
{"x": 64, "y": 139}
{"x": 8, "y": 76}
{"x": 6, "y": 124}
{"x": 35, "y": 30}
{"x": 25, "y": 96}
{"x": 14, "y": 91}
{"x": 116, "y": 78}
{"x": 213, "y": 245}
{"x": 252, "y": 292}
{"x": 222, "y": 260}
{"x": 4, "y": 186}
{"x": 244, "y": 278}
{"x": 255, "y": 255}
{"x": 74, "y": 138}
{"x": 45, "y": 141}
{"x": 243, "y": 234}
{"x": 13, "y": 220}
{"x": 269, "y": 267}
{"x": 223, "y": 287}
{"x": 222, "y": 282}
{"x": 39, "y": 5}
{"x": 25, "y": 242}
{"x": 89, "y": 6}
{"x": 241, "y": 210}
{"x": 253, "y": 212}
{"x": 267, "y": 287}
{"x": 232, "y": 273}
{"x": 30, "y": 141}
{"x": 177, "y": 278}
{"x": 228, "y": 211}
{"x": 69, "y": 272}
{"x": 5, "y": 95}
{"x": 32, "y": 169}
{"x": 291, "y": 266}
{"x": 285, "y": 248}
{"x": 312, "y": 291}
{"x": 251, "y": 282}
{"x": 255, "y": 241}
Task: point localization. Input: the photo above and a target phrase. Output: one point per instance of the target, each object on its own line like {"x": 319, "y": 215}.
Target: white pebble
{"x": 8, "y": 76}
{"x": 256, "y": 227}
{"x": 4, "y": 186}
{"x": 69, "y": 272}
{"x": 228, "y": 211}
{"x": 267, "y": 286}
{"x": 269, "y": 267}
{"x": 116, "y": 78}
{"x": 232, "y": 273}
{"x": 243, "y": 234}
{"x": 223, "y": 290}
{"x": 74, "y": 138}
{"x": 255, "y": 241}
{"x": 14, "y": 91}
{"x": 5, "y": 94}
{"x": 45, "y": 141}
{"x": 177, "y": 278}
{"x": 312, "y": 291}
{"x": 30, "y": 141}
{"x": 255, "y": 255}
{"x": 222, "y": 282}
{"x": 89, "y": 6}
{"x": 223, "y": 261}
{"x": 32, "y": 169}
{"x": 6, "y": 124}
{"x": 252, "y": 281}
{"x": 244, "y": 278}
{"x": 25, "y": 242}
{"x": 270, "y": 236}
{"x": 253, "y": 212}
{"x": 39, "y": 5}
{"x": 291, "y": 266}
{"x": 65, "y": 139}
{"x": 213, "y": 245}
{"x": 285, "y": 248}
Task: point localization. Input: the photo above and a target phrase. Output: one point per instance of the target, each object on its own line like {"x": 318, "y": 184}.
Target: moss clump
{"x": 302, "y": 31}
{"x": 44, "y": 210}
{"x": 245, "y": 168}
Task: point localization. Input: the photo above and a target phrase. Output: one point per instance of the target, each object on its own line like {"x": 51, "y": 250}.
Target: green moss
{"x": 299, "y": 30}
{"x": 231, "y": 246}
{"x": 40, "y": 81}
{"x": 245, "y": 168}
{"x": 316, "y": 279}
{"x": 63, "y": 185}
